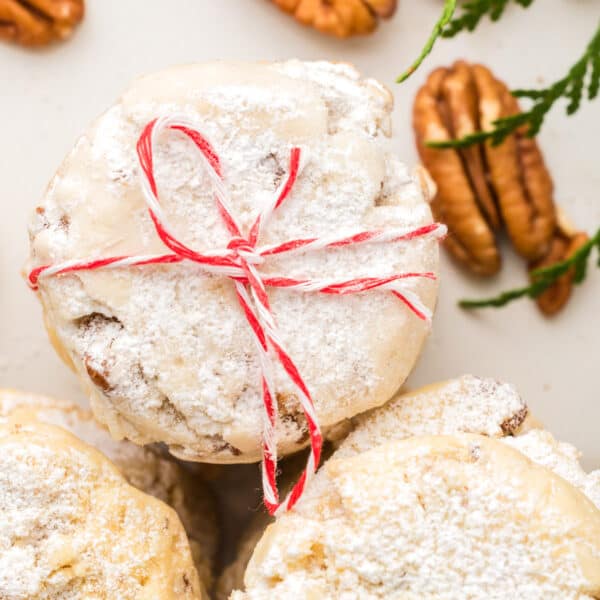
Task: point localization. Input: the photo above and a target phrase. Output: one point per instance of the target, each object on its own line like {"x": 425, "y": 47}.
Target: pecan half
{"x": 522, "y": 183}
{"x": 456, "y": 202}
{"x": 39, "y": 22}
{"x": 564, "y": 244}
{"x": 482, "y": 187}
{"x": 341, "y": 18}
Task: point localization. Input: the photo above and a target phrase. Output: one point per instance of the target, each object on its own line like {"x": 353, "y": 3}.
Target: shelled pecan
{"x": 39, "y": 22}
{"x": 565, "y": 243}
{"x": 482, "y": 187}
{"x": 341, "y": 18}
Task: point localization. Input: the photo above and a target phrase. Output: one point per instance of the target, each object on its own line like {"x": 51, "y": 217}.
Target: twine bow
{"x": 239, "y": 261}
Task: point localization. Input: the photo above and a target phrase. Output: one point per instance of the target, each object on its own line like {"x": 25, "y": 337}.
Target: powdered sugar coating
{"x": 561, "y": 458}
{"x": 447, "y": 517}
{"x": 165, "y": 353}
{"x": 71, "y": 527}
{"x": 292, "y": 551}
{"x": 468, "y": 404}
{"x": 142, "y": 467}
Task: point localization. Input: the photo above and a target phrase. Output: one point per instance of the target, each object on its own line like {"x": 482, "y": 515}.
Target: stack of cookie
{"x": 237, "y": 267}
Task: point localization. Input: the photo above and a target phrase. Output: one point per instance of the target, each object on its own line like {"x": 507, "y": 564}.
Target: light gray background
{"x": 48, "y": 98}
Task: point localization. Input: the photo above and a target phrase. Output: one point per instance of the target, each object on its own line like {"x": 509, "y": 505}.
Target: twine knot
{"x": 245, "y": 250}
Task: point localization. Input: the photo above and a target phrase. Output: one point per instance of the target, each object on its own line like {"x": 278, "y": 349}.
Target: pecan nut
{"x": 565, "y": 243}
{"x": 39, "y": 22}
{"x": 518, "y": 174}
{"x": 341, "y": 18}
{"x": 482, "y": 187}
{"x": 456, "y": 202}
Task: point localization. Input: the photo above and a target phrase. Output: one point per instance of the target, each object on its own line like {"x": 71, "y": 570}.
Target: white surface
{"x": 48, "y": 98}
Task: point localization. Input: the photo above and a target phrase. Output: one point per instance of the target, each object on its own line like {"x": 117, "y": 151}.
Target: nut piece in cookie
{"x": 39, "y": 22}
{"x": 72, "y": 527}
{"x": 341, "y": 18}
{"x": 482, "y": 187}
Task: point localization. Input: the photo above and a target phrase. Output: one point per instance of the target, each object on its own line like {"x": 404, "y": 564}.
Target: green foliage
{"x": 583, "y": 78}
{"x": 544, "y": 278}
{"x": 475, "y": 10}
{"x": 447, "y": 26}
{"x": 447, "y": 13}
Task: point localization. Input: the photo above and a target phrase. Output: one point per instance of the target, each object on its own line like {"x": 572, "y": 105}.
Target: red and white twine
{"x": 239, "y": 261}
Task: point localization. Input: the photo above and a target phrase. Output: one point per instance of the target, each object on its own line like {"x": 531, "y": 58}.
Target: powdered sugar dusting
{"x": 142, "y": 467}
{"x": 560, "y": 457}
{"x": 166, "y": 348}
{"x": 70, "y": 527}
{"x": 468, "y": 404}
{"x": 447, "y": 517}
{"x": 365, "y": 103}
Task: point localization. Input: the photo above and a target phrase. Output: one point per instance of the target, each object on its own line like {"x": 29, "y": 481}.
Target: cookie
{"x": 72, "y": 527}
{"x": 142, "y": 467}
{"x": 467, "y": 404}
{"x": 560, "y": 457}
{"x": 470, "y": 404}
{"x": 165, "y": 351}
{"x": 446, "y": 517}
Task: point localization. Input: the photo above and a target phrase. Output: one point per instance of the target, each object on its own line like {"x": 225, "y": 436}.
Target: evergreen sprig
{"x": 447, "y": 14}
{"x": 583, "y": 78}
{"x": 475, "y": 10}
{"x": 544, "y": 278}
{"x": 447, "y": 26}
